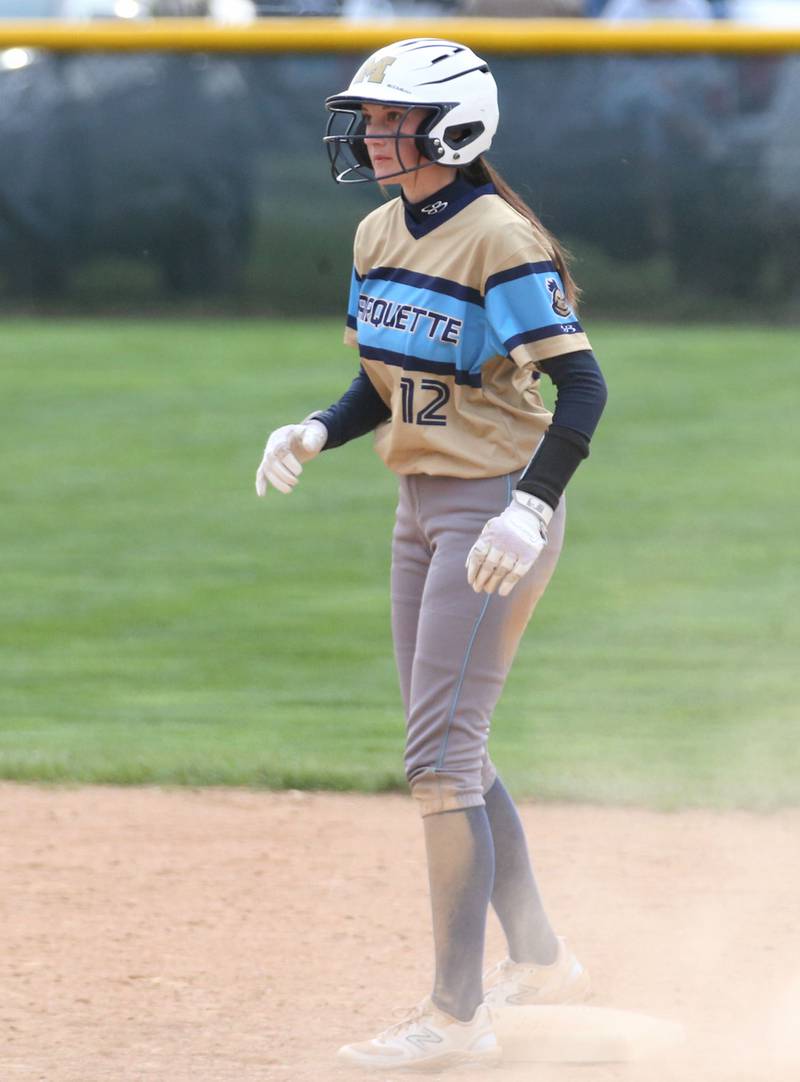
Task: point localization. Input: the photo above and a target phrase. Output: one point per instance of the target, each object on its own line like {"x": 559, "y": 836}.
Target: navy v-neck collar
{"x": 423, "y": 217}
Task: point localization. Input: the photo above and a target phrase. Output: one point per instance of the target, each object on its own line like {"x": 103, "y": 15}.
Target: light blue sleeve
{"x": 527, "y": 304}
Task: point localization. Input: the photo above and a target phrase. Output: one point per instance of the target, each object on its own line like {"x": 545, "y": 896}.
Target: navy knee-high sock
{"x": 516, "y": 897}
{"x": 461, "y": 873}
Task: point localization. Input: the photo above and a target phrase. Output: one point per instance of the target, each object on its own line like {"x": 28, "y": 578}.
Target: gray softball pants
{"x": 454, "y": 647}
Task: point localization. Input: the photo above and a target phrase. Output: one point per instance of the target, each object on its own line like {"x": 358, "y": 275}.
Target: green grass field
{"x": 159, "y": 624}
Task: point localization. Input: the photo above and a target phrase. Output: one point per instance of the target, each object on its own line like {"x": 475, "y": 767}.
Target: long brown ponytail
{"x": 480, "y": 172}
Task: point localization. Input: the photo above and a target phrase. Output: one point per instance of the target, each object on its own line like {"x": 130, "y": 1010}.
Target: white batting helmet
{"x": 444, "y": 77}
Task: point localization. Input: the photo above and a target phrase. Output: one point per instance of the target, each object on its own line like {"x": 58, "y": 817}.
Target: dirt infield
{"x": 162, "y": 936}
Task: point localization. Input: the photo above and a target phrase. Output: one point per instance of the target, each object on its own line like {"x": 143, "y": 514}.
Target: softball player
{"x": 459, "y": 300}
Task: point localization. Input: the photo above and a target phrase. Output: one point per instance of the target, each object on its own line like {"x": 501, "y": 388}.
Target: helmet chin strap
{"x": 359, "y": 178}
{"x": 341, "y": 177}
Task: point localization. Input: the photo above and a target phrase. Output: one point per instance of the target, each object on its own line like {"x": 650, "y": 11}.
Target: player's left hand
{"x": 509, "y": 545}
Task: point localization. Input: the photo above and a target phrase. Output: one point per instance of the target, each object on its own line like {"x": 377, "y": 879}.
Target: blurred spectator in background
{"x": 657, "y": 9}
{"x": 522, "y": 9}
{"x": 367, "y": 9}
{"x": 397, "y": 9}
{"x": 222, "y": 11}
{"x": 685, "y": 10}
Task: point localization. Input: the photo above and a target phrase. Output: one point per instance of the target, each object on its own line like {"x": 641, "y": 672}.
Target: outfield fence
{"x": 169, "y": 160}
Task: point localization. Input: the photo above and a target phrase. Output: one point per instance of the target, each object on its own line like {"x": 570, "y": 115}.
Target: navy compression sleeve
{"x": 580, "y": 398}
{"x": 359, "y": 410}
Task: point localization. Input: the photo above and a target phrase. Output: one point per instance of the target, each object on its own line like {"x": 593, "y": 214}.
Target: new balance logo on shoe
{"x": 423, "y": 1037}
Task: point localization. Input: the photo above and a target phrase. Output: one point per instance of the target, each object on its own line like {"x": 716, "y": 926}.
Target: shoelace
{"x": 499, "y": 971}
{"x": 410, "y": 1015}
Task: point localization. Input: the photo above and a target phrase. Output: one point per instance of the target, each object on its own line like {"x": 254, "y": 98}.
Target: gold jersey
{"x": 451, "y": 318}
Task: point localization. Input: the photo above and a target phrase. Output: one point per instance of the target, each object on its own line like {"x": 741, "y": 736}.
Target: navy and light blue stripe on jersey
{"x": 426, "y": 323}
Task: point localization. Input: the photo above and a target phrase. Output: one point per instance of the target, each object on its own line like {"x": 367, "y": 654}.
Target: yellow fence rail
{"x": 311, "y": 35}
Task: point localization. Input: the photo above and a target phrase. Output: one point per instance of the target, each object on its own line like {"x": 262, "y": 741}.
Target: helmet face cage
{"x": 348, "y": 148}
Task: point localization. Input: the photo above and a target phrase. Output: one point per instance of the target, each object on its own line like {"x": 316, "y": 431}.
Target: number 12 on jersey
{"x": 428, "y": 414}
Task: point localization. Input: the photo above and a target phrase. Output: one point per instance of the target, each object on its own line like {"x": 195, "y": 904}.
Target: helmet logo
{"x": 376, "y": 71}
{"x": 434, "y": 208}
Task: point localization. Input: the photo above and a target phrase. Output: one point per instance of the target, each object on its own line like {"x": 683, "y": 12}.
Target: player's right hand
{"x": 287, "y": 448}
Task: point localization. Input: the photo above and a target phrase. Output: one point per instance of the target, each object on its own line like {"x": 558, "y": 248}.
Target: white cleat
{"x": 522, "y": 984}
{"x": 427, "y": 1039}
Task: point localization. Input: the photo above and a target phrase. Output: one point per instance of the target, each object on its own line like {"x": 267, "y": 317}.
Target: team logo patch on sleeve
{"x": 557, "y": 298}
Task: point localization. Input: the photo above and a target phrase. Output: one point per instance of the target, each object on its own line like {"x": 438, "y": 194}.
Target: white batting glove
{"x": 287, "y": 448}
{"x": 509, "y": 545}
